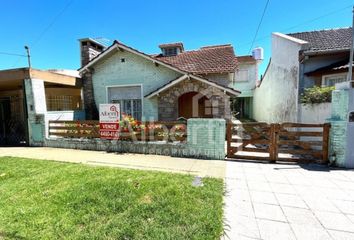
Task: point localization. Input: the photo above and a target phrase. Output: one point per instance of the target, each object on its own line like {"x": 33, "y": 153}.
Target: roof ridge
{"x": 321, "y": 30}
{"x": 216, "y": 46}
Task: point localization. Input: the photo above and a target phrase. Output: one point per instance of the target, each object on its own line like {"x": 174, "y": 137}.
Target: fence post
{"x": 229, "y": 138}
{"x": 273, "y": 146}
{"x": 325, "y": 142}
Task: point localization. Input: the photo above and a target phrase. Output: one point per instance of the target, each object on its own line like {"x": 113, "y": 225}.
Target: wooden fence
{"x": 278, "y": 142}
{"x": 146, "y": 131}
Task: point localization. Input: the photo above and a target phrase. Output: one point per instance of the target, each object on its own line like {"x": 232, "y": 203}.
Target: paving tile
{"x": 301, "y": 216}
{"x": 259, "y": 186}
{"x": 335, "y": 221}
{"x": 270, "y": 212}
{"x": 271, "y": 230}
{"x": 303, "y": 232}
{"x": 320, "y": 203}
{"x": 290, "y": 200}
{"x": 242, "y": 228}
{"x": 351, "y": 217}
{"x": 339, "y": 235}
{"x": 279, "y": 178}
{"x": 263, "y": 197}
{"x": 345, "y": 206}
{"x": 283, "y": 188}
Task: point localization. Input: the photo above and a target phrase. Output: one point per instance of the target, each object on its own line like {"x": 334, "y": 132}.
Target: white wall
{"x": 315, "y": 113}
{"x": 276, "y": 99}
{"x": 61, "y": 116}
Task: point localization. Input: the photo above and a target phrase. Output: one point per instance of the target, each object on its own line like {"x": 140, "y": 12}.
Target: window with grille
{"x": 170, "y": 51}
{"x": 331, "y": 80}
{"x": 63, "y": 103}
{"x": 129, "y": 99}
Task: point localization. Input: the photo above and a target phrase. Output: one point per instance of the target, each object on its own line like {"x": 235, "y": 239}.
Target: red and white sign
{"x": 109, "y": 121}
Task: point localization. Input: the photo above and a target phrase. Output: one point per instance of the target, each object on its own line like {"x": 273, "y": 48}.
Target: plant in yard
{"x": 317, "y": 94}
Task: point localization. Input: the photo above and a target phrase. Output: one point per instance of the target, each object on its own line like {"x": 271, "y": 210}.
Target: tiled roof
{"x": 245, "y": 59}
{"x": 324, "y": 40}
{"x": 210, "y": 59}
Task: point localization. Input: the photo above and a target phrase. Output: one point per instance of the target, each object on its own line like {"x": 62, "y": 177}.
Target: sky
{"x": 52, "y": 28}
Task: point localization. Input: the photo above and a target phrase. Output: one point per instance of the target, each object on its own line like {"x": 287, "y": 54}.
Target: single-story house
{"x": 27, "y": 92}
{"x": 300, "y": 61}
{"x": 172, "y": 84}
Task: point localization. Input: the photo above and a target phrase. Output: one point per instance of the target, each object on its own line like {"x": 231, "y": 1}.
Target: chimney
{"x": 89, "y": 49}
{"x": 171, "y": 49}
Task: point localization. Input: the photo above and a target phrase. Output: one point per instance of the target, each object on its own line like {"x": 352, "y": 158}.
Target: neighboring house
{"x": 25, "y": 93}
{"x": 245, "y": 81}
{"x": 299, "y": 61}
{"x": 166, "y": 86}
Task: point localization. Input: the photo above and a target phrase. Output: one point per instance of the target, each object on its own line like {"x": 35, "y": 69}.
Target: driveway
{"x": 277, "y": 201}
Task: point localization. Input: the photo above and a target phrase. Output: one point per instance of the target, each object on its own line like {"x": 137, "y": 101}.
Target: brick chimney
{"x": 89, "y": 49}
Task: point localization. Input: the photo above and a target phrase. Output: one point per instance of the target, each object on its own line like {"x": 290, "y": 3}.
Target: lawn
{"x": 52, "y": 200}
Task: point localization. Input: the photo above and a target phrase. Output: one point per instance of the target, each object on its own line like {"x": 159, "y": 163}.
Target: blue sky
{"x": 51, "y": 28}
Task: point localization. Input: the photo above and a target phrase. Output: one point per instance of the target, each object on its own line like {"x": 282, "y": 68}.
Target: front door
{"x": 192, "y": 104}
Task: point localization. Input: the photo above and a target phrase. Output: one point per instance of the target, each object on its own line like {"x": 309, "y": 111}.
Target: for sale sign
{"x": 109, "y": 121}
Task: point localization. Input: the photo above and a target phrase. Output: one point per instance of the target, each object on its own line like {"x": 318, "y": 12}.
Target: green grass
{"x": 52, "y": 200}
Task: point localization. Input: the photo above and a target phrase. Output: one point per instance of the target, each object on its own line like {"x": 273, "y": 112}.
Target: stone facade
{"x": 91, "y": 111}
{"x": 168, "y": 100}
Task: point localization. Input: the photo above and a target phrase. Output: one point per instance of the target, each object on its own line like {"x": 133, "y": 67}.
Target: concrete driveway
{"x": 273, "y": 201}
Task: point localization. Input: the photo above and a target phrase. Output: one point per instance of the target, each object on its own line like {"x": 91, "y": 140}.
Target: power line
{"x": 303, "y": 23}
{"x": 12, "y": 54}
{"x": 259, "y": 25}
{"x": 52, "y": 23}
{"x": 46, "y": 29}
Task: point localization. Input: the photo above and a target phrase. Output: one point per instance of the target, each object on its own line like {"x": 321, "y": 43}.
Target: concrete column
{"x": 36, "y": 109}
{"x": 349, "y": 155}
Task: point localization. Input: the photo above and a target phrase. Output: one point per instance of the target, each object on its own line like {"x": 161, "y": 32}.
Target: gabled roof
{"x": 210, "y": 59}
{"x": 326, "y": 40}
{"x": 198, "y": 78}
{"x": 120, "y": 46}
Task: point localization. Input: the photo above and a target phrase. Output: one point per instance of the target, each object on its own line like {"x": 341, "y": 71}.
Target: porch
{"x": 190, "y": 97}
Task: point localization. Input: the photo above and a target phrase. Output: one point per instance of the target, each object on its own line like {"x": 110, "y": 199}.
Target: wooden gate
{"x": 290, "y": 142}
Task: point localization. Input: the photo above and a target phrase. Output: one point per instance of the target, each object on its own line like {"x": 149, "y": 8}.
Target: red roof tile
{"x": 245, "y": 59}
{"x": 209, "y": 59}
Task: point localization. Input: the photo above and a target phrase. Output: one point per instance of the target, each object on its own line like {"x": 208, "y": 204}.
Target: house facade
{"x": 29, "y": 96}
{"x": 168, "y": 86}
{"x": 299, "y": 61}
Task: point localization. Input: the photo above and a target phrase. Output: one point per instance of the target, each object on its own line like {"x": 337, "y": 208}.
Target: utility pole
{"x": 28, "y": 56}
{"x": 350, "y": 66}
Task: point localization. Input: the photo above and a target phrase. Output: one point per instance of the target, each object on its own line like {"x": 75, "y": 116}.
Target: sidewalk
{"x": 211, "y": 168}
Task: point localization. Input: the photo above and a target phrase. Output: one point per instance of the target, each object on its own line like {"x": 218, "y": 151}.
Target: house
{"x": 172, "y": 84}
{"x": 300, "y": 61}
{"x": 245, "y": 80}
{"x": 27, "y": 93}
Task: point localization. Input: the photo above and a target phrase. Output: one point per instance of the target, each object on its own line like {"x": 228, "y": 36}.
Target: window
{"x": 331, "y": 80}
{"x": 63, "y": 103}
{"x": 129, "y": 99}
{"x": 170, "y": 51}
{"x": 242, "y": 75}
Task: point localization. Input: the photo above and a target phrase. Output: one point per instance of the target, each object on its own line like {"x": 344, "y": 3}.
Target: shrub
{"x": 317, "y": 95}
